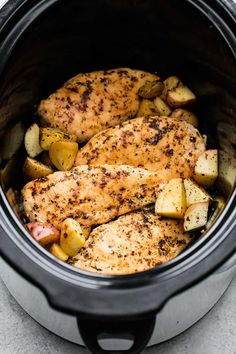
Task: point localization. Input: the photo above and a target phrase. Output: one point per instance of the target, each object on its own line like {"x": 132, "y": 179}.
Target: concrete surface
{"x": 214, "y": 334}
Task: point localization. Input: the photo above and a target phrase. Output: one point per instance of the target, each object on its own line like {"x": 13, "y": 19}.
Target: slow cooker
{"x": 43, "y": 43}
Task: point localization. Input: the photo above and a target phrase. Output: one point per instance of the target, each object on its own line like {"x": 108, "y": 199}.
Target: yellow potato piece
{"x": 180, "y": 96}
{"x": 162, "y": 108}
{"x": 206, "y": 168}
{"x": 187, "y": 116}
{"x": 72, "y": 238}
{"x": 63, "y": 154}
{"x": 32, "y": 145}
{"x": 196, "y": 216}
{"x": 34, "y": 169}
{"x": 52, "y": 135}
{"x": 57, "y": 251}
{"x": 171, "y": 201}
{"x": 195, "y": 193}
{"x": 151, "y": 89}
{"x": 146, "y": 108}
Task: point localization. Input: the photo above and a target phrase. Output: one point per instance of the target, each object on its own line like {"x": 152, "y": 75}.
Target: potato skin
{"x": 162, "y": 108}
{"x": 43, "y": 233}
{"x": 169, "y": 84}
{"x": 63, "y": 154}
{"x": 146, "y": 109}
{"x": 33, "y": 169}
{"x": 151, "y": 89}
{"x": 32, "y": 145}
{"x": 72, "y": 238}
{"x": 179, "y": 97}
{"x": 187, "y": 116}
{"x": 196, "y": 216}
{"x": 57, "y": 251}
{"x": 49, "y": 136}
{"x": 206, "y": 168}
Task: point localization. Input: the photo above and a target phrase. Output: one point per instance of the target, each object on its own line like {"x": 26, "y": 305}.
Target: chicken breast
{"x": 133, "y": 243}
{"x": 89, "y": 103}
{"x": 166, "y": 145}
{"x": 90, "y": 194}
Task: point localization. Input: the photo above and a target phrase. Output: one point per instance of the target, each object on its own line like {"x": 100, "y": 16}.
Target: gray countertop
{"x": 214, "y": 334}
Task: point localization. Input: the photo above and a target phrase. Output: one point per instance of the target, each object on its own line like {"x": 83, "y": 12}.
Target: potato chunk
{"x": 187, "y": 116}
{"x": 34, "y": 169}
{"x": 11, "y": 141}
{"x": 194, "y": 193}
{"x": 32, "y": 145}
{"x": 180, "y": 96}
{"x": 52, "y": 135}
{"x": 63, "y": 154}
{"x": 146, "y": 108}
{"x": 171, "y": 201}
{"x": 227, "y": 173}
{"x": 161, "y": 107}
{"x": 72, "y": 237}
{"x": 43, "y": 233}
{"x": 151, "y": 89}
{"x": 57, "y": 251}
{"x": 169, "y": 84}
{"x": 206, "y": 168}
{"x": 196, "y": 216}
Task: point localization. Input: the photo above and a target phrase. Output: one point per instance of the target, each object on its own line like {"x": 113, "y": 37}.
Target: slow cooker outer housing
{"x": 41, "y": 46}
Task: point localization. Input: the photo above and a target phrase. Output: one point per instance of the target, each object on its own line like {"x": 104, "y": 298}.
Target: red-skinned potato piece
{"x": 43, "y": 233}
{"x": 179, "y": 97}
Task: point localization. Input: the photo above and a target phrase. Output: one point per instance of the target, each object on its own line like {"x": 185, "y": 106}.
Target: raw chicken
{"x": 90, "y": 194}
{"x": 133, "y": 243}
{"x": 166, "y": 145}
{"x": 89, "y": 103}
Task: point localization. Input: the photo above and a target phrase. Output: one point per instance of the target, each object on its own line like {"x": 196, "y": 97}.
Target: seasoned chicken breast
{"x": 89, "y": 103}
{"x": 90, "y": 194}
{"x": 166, "y": 145}
{"x": 133, "y": 243}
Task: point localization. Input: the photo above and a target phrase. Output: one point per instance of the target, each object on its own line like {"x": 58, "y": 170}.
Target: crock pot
{"x": 43, "y": 43}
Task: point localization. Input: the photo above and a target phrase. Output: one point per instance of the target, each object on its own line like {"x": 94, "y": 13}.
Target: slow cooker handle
{"x": 139, "y": 330}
